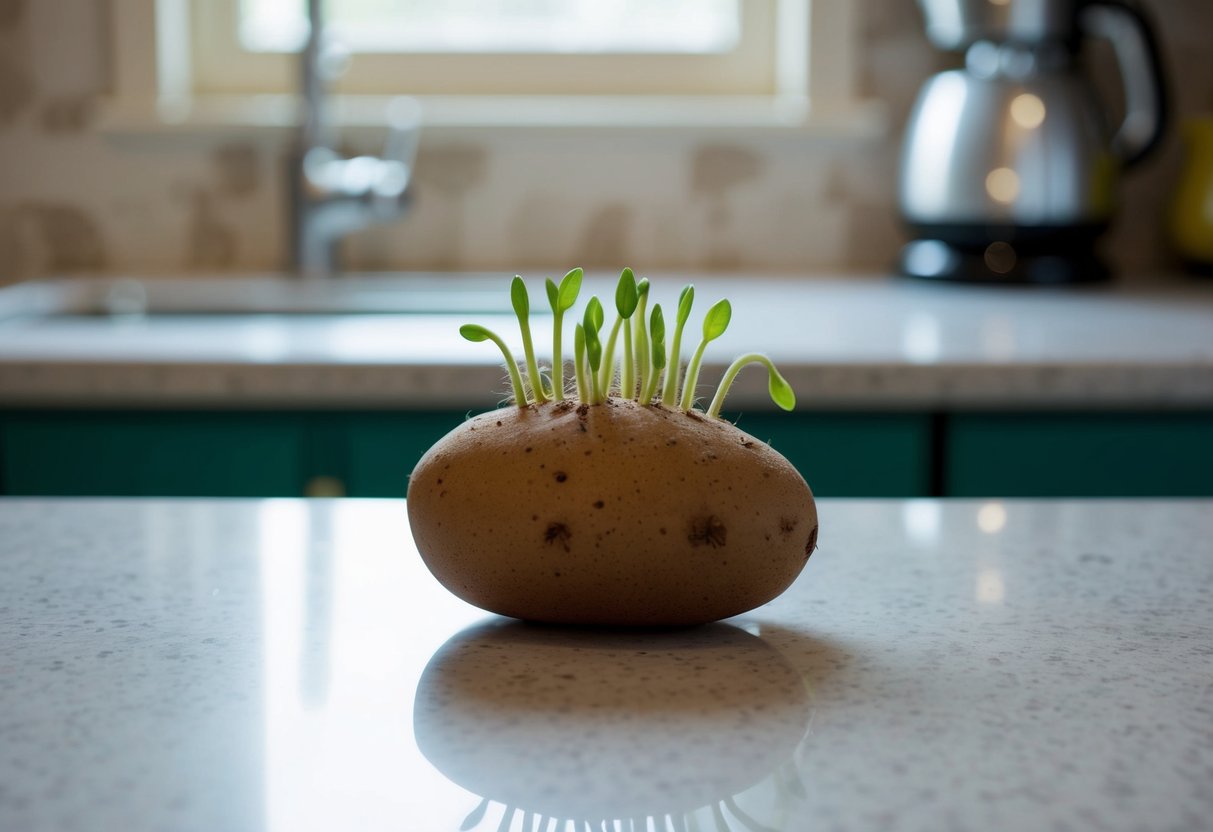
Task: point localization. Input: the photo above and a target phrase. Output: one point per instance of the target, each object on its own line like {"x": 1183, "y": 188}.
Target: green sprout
{"x": 591, "y": 323}
{"x": 645, "y": 356}
{"x": 714, "y": 325}
{"x": 686, "y": 300}
{"x": 626, "y": 299}
{"x": 777, "y": 386}
{"x": 522, "y": 308}
{"x": 561, "y": 298}
{"x": 657, "y": 353}
{"x": 476, "y": 333}
{"x": 579, "y": 361}
{"x": 641, "y": 348}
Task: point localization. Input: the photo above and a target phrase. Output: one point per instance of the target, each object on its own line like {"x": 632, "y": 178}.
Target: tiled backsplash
{"x": 75, "y": 199}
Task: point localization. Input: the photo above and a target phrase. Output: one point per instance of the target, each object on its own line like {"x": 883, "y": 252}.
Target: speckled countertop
{"x": 867, "y": 342}
{"x": 289, "y": 665}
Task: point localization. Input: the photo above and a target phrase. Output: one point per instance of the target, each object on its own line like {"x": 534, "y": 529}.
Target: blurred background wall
{"x": 74, "y": 197}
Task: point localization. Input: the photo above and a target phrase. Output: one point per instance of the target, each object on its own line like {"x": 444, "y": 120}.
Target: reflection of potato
{"x": 619, "y": 513}
{"x": 576, "y": 724}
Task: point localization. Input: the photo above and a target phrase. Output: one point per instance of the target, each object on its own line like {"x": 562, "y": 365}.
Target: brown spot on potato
{"x": 787, "y": 525}
{"x": 557, "y": 533}
{"x": 599, "y": 504}
{"x": 811, "y": 546}
{"x": 561, "y": 476}
{"x": 707, "y": 531}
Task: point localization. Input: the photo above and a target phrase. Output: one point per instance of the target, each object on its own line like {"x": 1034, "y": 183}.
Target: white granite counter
{"x": 289, "y": 665}
{"x": 855, "y": 342}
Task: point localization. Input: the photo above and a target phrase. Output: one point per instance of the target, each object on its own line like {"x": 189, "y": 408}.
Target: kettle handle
{"x": 1125, "y": 25}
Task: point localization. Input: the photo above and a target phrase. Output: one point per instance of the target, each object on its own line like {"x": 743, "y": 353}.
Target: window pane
{"x": 551, "y": 26}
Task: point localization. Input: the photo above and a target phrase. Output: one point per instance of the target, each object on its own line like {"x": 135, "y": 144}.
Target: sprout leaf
{"x": 626, "y": 296}
{"x": 594, "y": 315}
{"x": 717, "y": 320}
{"x": 781, "y": 392}
{"x": 570, "y": 287}
{"x": 474, "y": 332}
{"x": 657, "y": 336}
{"x": 686, "y": 299}
{"x": 518, "y": 297}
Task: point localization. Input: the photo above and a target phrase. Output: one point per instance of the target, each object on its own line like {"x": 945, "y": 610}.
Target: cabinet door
{"x": 1079, "y": 455}
{"x": 151, "y": 453}
{"x": 381, "y": 449}
{"x": 851, "y": 454}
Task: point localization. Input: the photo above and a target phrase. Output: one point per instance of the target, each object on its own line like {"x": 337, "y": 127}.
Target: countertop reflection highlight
{"x": 556, "y": 726}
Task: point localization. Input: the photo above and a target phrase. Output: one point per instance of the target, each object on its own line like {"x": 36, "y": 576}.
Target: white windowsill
{"x": 270, "y": 115}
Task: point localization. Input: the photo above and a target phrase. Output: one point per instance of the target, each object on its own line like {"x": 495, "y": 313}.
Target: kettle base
{"x": 999, "y": 263}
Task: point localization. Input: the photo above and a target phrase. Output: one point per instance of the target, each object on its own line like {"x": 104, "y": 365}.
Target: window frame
{"x": 814, "y": 87}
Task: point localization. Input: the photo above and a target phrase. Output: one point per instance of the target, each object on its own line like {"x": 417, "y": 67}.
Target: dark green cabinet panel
{"x": 852, "y": 454}
{"x": 371, "y": 453}
{"x": 86, "y": 453}
{"x": 382, "y": 448}
{"x": 1079, "y": 454}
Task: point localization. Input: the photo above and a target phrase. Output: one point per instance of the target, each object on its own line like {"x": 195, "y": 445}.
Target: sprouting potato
{"x": 628, "y": 510}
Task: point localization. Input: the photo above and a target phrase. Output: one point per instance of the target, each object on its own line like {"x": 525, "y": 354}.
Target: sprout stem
{"x": 472, "y": 332}
{"x": 557, "y": 358}
{"x": 579, "y": 362}
{"x": 692, "y": 377}
{"x": 715, "y": 322}
{"x": 522, "y": 308}
{"x": 561, "y": 298}
{"x": 780, "y": 390}
{"x": 673, "y": 361}
{"x": 627, "y": 375}
{"x": 642, "y": 341}
{"x": 593, "y": 347}
{"x": 656, "y": 361}
{"x": 607, "y": 373}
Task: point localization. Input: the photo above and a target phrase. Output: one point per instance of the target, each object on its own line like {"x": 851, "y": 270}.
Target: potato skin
{"x": 615, "y": 514}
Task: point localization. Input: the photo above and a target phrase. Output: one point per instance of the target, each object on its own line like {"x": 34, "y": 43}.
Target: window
{"x": 491, "y": 62}
{"x": 498, "y": 26}
{"x": 239, "y": 47}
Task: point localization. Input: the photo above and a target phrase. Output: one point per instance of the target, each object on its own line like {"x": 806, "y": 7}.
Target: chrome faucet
{"x": 332, "y": 196}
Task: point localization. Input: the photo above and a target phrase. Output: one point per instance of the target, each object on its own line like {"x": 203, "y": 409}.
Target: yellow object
{"x": 1192, "y": 208}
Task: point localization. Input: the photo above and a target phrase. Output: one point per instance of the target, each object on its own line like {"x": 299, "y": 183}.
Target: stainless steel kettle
{"x": 1010, "y": 166}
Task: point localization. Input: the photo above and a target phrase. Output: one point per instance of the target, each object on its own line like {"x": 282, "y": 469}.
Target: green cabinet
{"x": 380, "y": 449}
{"x": 370, "y": 453}
{"x": 1123, "y": 454}
{"x": 852, "y": 454}
{"x": 91, "y": 453}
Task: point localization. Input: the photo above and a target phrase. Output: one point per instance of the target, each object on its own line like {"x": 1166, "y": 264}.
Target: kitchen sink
{"x": 389, "y": 293}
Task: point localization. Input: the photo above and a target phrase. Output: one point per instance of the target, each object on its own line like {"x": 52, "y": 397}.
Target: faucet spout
{"x": 332, "y": 196}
